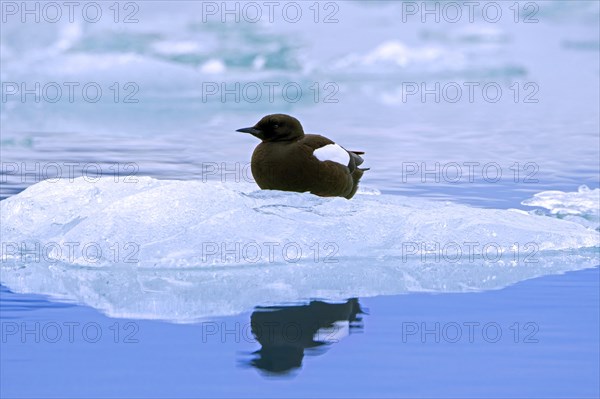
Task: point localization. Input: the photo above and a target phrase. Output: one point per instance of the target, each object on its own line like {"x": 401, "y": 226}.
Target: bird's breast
{"x": 283, "y": 166}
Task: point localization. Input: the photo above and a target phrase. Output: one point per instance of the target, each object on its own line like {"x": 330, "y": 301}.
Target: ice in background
{"x": 176, "y": 128}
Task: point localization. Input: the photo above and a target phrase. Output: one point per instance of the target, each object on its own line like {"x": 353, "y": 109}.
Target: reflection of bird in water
{"x": 284, "y": 332}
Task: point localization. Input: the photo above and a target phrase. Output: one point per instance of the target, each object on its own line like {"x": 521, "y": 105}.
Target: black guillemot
{"x": 289, "y": 160}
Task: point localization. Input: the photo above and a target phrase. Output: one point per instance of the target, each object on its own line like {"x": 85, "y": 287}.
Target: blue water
{"x": 540, "y": 340}
{"x": 442, "y": 171}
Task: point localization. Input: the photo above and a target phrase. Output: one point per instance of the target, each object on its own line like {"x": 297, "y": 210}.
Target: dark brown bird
{"x": 289, "y": 160}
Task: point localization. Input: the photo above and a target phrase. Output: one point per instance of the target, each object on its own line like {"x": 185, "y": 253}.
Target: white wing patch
{"x": 332, "y": 152}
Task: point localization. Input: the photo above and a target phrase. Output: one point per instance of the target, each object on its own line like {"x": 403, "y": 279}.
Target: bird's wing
{"x": 315, "y": 141}
{"x": 335, "y": 153}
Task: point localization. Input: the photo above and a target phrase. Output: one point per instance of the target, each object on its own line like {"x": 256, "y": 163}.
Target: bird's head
{"x": 276, "y": 127}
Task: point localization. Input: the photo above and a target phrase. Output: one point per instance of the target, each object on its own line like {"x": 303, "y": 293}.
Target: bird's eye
{"x": 275, "y": 126}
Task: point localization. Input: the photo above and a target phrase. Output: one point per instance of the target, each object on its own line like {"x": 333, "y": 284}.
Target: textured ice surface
{"x": 183, "y": 250}
{"x": 582, "y": 207}
{"x": 582, "y": 202}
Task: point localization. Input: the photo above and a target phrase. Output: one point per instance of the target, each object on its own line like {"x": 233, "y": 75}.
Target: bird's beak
{"x": 253, "y": 131}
